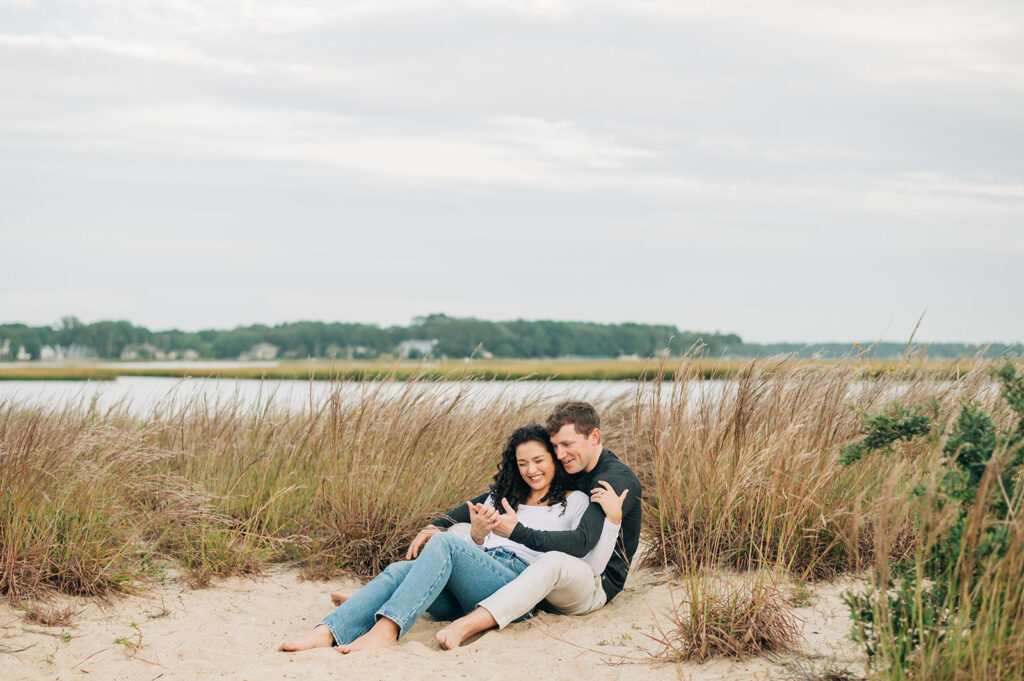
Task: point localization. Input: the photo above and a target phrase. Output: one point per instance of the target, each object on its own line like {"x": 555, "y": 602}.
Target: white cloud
{"x": 118, "y": 48}
{"x": 542, "y": 9}
{"x": 725, "y": 142}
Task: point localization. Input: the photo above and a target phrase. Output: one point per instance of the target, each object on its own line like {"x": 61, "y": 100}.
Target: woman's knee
{"x": 442, "y": 541}
{"x": 397, "y": 570}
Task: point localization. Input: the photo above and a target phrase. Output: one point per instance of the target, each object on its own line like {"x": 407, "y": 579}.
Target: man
{"x": 568, "y": 584}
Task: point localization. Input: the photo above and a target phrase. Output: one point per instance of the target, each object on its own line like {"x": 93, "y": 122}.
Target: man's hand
{"x": 482, "y": 520}
{"x": 507, "y": 521}
{"x": 420, "y": 539}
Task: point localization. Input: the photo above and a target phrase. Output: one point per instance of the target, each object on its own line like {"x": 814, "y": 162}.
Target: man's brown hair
{"x": 581, "y": 415}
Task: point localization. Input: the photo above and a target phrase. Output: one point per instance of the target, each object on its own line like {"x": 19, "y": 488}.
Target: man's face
{"x": 576, "y": 451}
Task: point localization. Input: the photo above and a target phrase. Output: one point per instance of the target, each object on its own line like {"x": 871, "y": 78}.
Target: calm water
{"x": 142, "y": 394}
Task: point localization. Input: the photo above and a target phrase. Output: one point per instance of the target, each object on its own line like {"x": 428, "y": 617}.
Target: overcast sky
{"x": 803, "y": 171}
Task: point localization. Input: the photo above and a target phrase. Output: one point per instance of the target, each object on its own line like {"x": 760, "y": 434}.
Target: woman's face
{"x": 536, "y": 465}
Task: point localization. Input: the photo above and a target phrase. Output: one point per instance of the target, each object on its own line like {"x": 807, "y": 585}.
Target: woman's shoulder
{"x": 577, "y": 498}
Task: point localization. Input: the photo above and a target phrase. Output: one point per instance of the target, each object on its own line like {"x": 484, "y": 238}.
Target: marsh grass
{"x": 479, "y": 369}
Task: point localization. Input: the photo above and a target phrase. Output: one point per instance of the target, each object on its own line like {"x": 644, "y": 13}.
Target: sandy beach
{"x": 231, "y": 631}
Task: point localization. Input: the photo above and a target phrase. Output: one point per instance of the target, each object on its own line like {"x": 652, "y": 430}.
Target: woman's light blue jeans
{"x": 448, "y": 579}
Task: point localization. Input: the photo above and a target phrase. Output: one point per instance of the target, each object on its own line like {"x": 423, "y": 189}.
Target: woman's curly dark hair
{"x": 509, "y": 483}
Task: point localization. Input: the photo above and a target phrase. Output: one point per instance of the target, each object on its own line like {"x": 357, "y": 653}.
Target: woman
{"x": 452, "y": 575}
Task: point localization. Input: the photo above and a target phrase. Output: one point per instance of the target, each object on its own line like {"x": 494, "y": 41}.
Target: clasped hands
{"x": 482, "y": 520}
{"x": 486, "y": 519}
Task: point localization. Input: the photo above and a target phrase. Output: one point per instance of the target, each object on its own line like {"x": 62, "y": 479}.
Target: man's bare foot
{"x": 384, "y": 633}
{"x": 337, "y": 597}
{"x": 452, "y": 636}
{"x": 320, "y": 637}
{"x": 458, "y": 631}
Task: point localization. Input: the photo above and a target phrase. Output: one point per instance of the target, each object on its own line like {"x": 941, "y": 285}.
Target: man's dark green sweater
{"x": 579, "y": 541}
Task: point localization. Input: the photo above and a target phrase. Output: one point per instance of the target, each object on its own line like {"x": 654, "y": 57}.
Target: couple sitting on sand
{"x": 533, "y": 536}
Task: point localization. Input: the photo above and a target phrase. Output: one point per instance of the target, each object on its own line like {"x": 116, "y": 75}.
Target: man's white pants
{"x": 568, "y": 584}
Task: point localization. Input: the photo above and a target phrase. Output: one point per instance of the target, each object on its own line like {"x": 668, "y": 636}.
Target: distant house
{"x": 418, "y": 348}
{"x": 142, "y": 351}
{"x": 59, "y": 353}
{"x": 260, "y": 352}
{"x": 48, "y": 354}
{"x": 23, "y": 356}
{"x": 348, "y": 351}
{"x": 77, "y": 352}
{"x": 5, "y": 348}
{"x": 190, "y": 355}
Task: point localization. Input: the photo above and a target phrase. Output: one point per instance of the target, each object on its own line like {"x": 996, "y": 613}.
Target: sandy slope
{"x": 230, "y": 631}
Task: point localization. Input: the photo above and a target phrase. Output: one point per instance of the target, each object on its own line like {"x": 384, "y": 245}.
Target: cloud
{"x": 119, "y": 48}
{"x": 724, "y": 141}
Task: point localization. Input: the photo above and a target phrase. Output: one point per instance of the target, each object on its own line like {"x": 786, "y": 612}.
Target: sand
{"x": 231, "y": 630}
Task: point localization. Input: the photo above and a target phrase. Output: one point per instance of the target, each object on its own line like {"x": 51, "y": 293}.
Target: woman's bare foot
{"x": 337, "y": 597}
{"x": 384, "y": 633}
{"x": 320, "y": 637}
{"x": 458, "y": 631}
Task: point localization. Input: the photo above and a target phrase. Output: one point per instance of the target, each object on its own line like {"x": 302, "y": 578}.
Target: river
{"x": 140, "y": 395}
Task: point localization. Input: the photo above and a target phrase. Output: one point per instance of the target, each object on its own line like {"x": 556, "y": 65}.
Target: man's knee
{"x": 558, "y": 566}
{"x": 575, "y": 589}
{"x": 556, "y": 559}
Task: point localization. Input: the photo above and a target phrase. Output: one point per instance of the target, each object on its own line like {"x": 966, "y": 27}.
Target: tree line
{"x": 446, "y": 337}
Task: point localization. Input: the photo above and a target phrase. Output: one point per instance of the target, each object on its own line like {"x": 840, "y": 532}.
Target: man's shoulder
{"x": 611, "y": 464}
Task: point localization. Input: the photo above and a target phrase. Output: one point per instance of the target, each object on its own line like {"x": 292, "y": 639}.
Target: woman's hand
{"x": 482, "y": 519}
{"x": 507, "y": 521}
{"x": 610, "y": 502}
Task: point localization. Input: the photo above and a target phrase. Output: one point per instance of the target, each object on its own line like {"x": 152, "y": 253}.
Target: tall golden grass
{"x": 93, "y": 501}
{"x": 740, "y": 473}
{"x": 748, "y": 477}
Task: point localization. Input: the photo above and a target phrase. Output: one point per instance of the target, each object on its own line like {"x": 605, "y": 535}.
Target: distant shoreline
{"x": 525, "y": 370}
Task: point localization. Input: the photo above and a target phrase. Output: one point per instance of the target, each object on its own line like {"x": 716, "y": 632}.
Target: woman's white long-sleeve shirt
{"x": 556, "y": 518}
